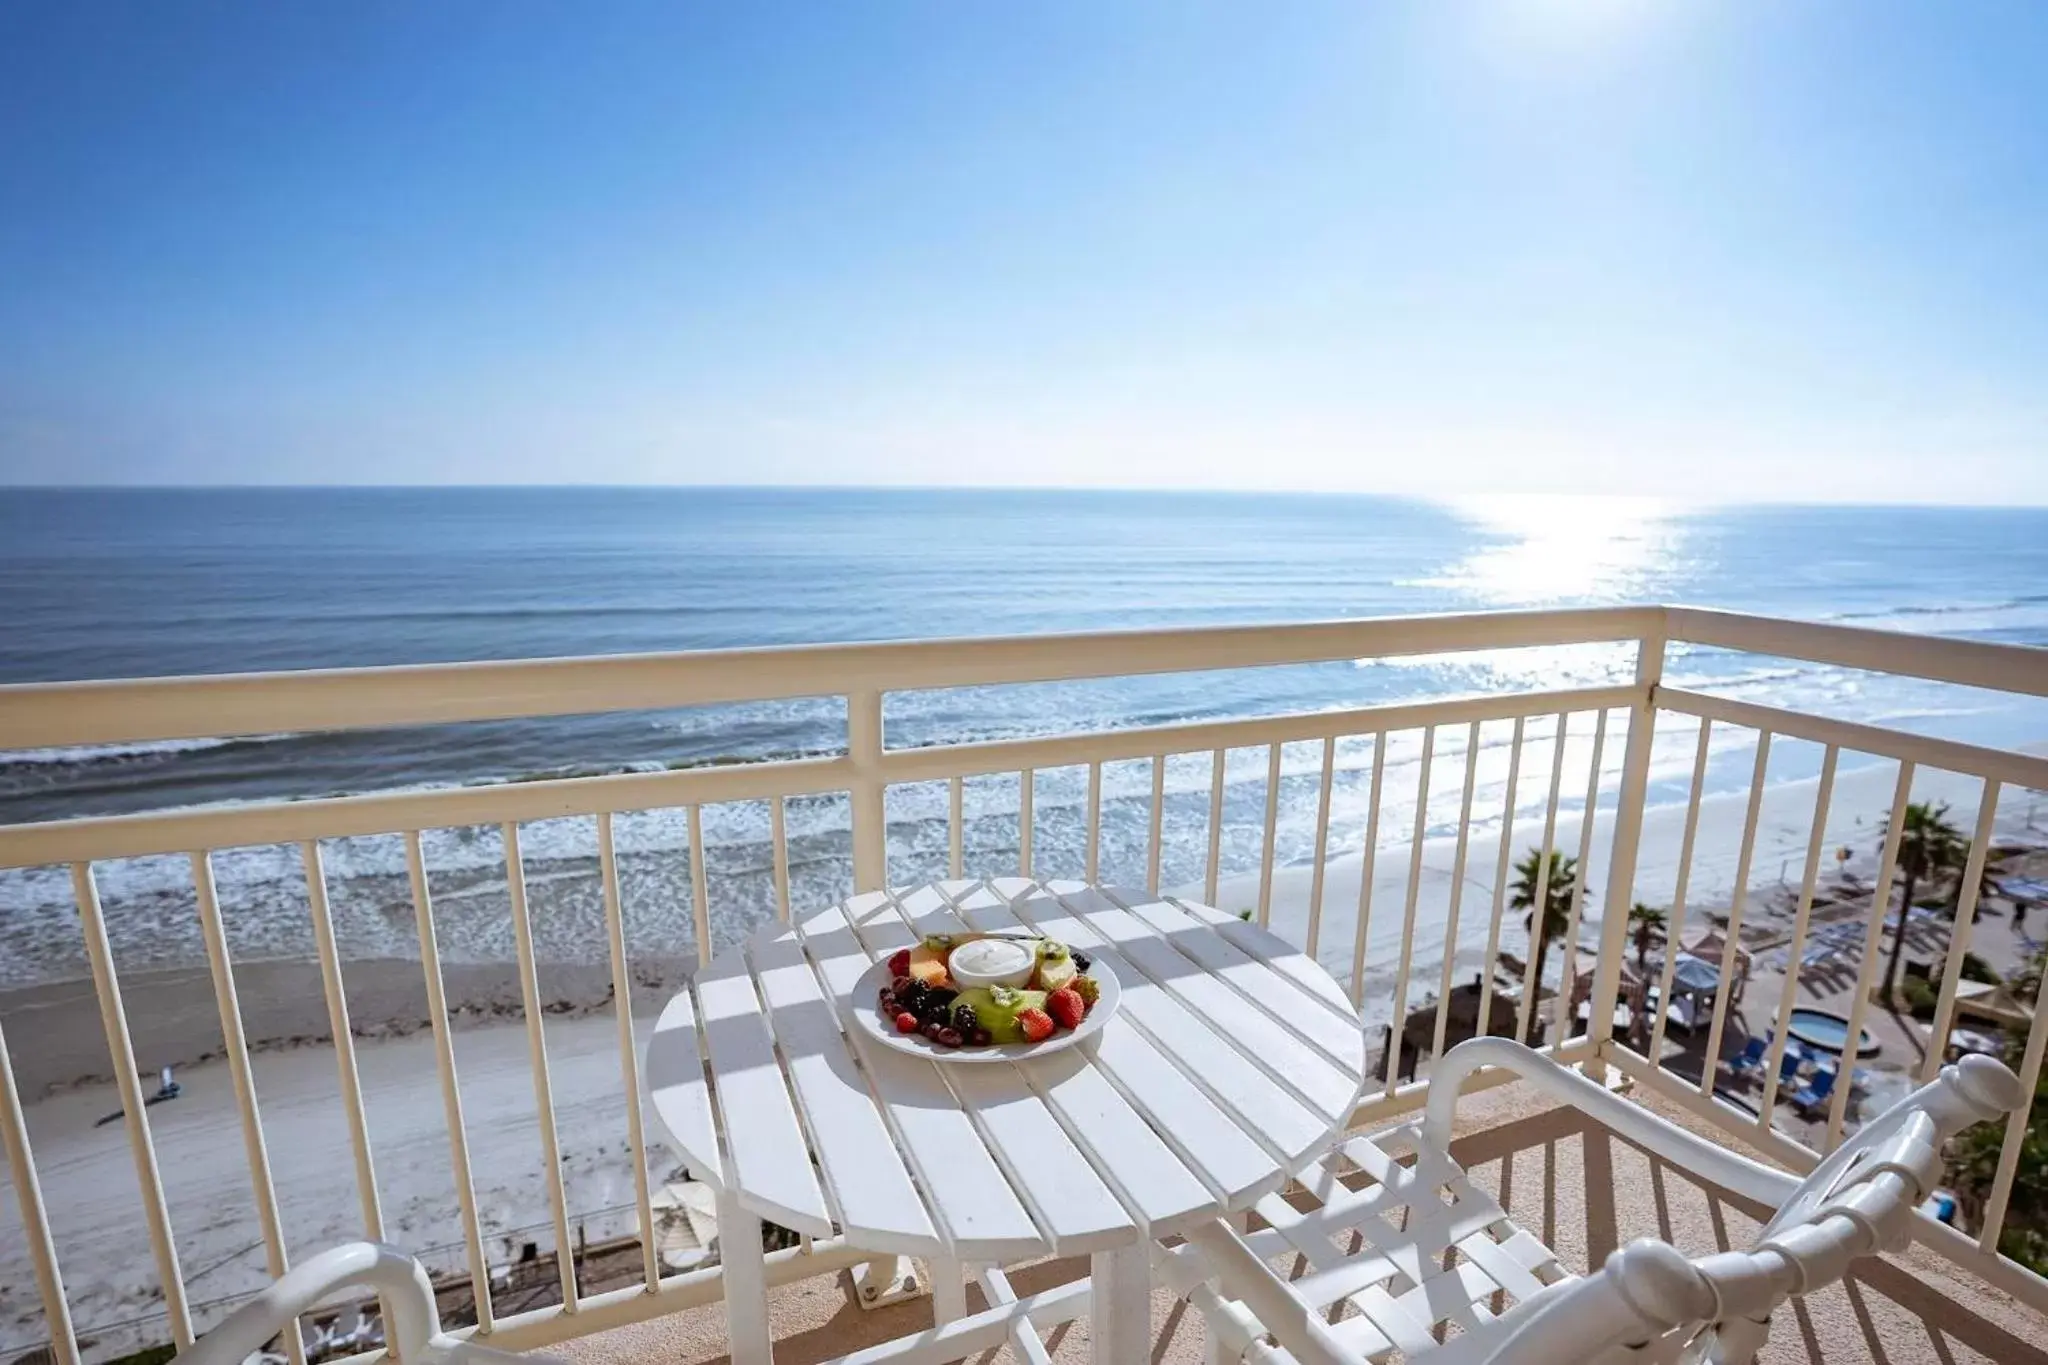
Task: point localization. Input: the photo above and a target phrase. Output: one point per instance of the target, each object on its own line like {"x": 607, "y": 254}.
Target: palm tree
{"x": 1557, "y": 901}
{"x": 1647, "y": 923}
{"x": 1928, "y": 846}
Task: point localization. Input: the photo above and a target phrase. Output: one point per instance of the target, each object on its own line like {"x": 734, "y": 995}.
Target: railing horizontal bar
{"x": 1376, "y": 1109}
{"x": 36, "y": 715}
{"x": 2005, "y": 668}
{"x": 537, "y": 1328}
{"x": 1008, "y": 755}
{"x": 340, "y": 817}
{"x": 2012, "y": 769}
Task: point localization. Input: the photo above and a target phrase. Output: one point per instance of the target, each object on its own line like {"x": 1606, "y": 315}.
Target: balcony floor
{"x": 1900, "y": 1310}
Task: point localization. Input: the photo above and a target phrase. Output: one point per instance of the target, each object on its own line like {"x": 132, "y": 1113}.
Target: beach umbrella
{"x": 1694, "y": 976}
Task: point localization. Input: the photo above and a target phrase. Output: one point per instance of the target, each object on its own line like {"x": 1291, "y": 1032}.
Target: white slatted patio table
{"x": 1232, "y": 1061}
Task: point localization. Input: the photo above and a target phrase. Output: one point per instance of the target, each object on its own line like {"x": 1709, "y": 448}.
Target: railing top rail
{"x": 1969, "y": 663}
{"x": 36, "y": 715}
{"x": 183, "y": 829}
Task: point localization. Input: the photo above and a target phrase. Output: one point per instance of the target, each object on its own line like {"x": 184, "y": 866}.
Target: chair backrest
{"x": 399, "y": 1280}
{"x": 1649, "y": 1301}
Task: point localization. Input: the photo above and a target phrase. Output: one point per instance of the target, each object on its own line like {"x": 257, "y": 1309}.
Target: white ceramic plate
{"x": 861, "y": 1006}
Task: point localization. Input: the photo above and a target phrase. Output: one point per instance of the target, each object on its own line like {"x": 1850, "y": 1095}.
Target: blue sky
{"x": 1678, "y": 249}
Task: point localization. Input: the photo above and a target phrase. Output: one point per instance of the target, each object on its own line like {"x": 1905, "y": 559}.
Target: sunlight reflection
{"x": 1546, "y": 548}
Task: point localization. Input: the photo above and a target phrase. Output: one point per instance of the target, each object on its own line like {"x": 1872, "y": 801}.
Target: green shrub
{"x": 1977, "y": 969}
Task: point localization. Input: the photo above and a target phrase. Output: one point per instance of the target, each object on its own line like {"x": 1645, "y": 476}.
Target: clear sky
{"x": 1726, "y": 248}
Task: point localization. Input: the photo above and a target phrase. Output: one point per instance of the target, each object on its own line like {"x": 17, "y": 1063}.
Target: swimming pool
{"x": 1829, "y": 1032}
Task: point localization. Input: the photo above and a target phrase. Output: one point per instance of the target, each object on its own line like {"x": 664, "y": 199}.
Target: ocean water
{"x": 102, "y": 584}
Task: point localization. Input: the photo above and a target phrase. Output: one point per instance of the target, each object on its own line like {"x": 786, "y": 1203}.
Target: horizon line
{"x": 1676, "y": 502}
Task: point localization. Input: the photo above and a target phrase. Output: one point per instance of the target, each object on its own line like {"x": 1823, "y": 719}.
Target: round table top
{"x": 1233, "y": 1061}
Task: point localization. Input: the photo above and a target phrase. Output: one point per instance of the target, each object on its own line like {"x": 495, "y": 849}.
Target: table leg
{"x": 1214, "y": 1350}
{"x": 1120, "y": 1305}
{"x": 884, "y": 1280}
{"x": 949, "y": 1290}
{"x": 746, "y": 1283}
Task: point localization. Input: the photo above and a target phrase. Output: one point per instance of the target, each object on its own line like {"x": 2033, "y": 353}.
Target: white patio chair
{"x": 1407, "y": 1259}
{"x": 400, "y": 1281}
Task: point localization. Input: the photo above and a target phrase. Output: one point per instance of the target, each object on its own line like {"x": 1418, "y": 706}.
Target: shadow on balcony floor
{"x": 1899, "y": 1310}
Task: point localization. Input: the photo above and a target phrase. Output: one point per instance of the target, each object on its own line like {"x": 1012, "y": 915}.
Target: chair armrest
{"x": 397, "y": 1278}
{"x": 1244, "y": 1276}
{"x": 1696, "y": 1155}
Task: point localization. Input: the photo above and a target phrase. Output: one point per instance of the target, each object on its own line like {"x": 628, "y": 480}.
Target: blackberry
{"x": 936, "y": 1006}
{"x": 911, "y": 995}
{"x": 1081, "y": 961}
{"x": 965, "y": 1019}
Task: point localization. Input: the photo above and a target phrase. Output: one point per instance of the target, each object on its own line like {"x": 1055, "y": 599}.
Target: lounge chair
{"x": 1815, "y": 1095}
{"x": 1458, "y": 1268}
{"x": 1750, "y": 1058}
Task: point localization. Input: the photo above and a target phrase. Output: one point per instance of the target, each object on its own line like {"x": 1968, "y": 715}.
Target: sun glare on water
{"x": 1555, "y": 548}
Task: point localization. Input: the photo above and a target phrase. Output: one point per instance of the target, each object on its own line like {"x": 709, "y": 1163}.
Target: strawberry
{"x": 899, "y": 963}
{"x": 1037, "y": 1024}
{"x": 1066, "y": 1007}
{"x": 906, "y": 1022}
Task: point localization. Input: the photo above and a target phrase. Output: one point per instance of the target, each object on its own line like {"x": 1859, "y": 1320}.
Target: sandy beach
{"x": 88, "y": 1179}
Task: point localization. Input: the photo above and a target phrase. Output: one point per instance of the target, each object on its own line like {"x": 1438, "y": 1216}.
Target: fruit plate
{"x": 865, "y": 1017}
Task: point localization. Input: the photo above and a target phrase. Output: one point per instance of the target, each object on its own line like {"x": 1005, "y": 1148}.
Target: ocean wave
{"x": 1946, "y": 608}
{"x": 86, "y": 755}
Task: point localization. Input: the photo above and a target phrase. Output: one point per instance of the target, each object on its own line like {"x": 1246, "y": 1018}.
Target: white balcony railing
{"x": 1624, "y": 720}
